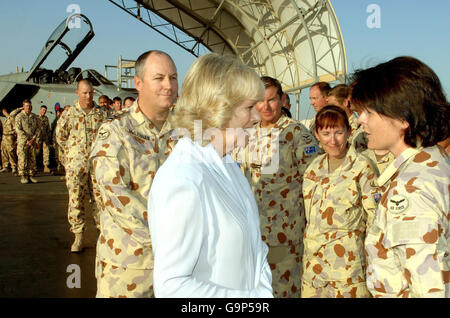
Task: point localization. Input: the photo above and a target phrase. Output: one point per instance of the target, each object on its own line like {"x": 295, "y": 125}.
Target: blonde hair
{"x": 212, "y": 89}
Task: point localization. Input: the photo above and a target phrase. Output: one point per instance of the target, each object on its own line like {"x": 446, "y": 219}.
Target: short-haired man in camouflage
{"x": 126, "y": 155}
{"x": 276, "y": 178}
{"x": 75, "y": 132}
{"x": 28, "y": 132}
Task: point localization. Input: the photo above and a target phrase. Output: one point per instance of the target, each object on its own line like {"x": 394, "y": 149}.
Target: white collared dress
{"x": 204, "y": 226}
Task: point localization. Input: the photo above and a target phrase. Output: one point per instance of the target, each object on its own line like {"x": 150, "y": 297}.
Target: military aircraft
{"x": 49, "y": 82}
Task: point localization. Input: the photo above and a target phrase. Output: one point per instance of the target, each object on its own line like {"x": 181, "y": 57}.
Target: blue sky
{"x": 408, "y": 27}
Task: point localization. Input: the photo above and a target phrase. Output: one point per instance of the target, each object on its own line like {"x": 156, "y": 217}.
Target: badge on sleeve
{"x": 309, "y": 150}
{"x": 377, "y": 197}
{"x": 397, "y": 204}
{"x": 103, "y": 134}
{"x": 307, "y": 138}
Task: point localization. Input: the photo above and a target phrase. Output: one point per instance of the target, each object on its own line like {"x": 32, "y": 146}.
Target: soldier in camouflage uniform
{"x": 28, "y": 132}
{"x": 9, "y": 142}
{"x": 407, "y": 245}
{"x": 274, "y": 161}
{"x": 45, "y": 138}
{"x": 75, "y": 132}
{"x": 339, "y": 204}
{"x": 126, "y": 155}
{"x": 407, "y": 250}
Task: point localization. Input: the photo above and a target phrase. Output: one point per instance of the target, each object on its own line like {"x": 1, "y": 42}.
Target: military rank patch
{"x": 307, "y": 138}
{"x": 377, "y": 197}
{"x": 397, "y": 204}
{"x": 309, "y": 150}
{"x": 103, "y": 134}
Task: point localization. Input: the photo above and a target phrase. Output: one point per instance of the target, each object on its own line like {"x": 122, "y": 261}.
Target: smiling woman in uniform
{"x": 339, "y": 203}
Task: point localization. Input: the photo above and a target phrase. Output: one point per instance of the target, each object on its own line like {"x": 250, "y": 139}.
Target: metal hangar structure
{"x": 298, "y": 42}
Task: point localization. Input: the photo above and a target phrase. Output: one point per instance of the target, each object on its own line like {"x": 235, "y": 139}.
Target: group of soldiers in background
{"x": 115, "y": 105}
{"x": 25, "y": 137}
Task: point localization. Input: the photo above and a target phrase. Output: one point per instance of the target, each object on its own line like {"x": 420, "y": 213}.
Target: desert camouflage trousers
{"x": 9, "y": 154}
{"x": 59, "y": 158}
{"x": 286, "y": 266}
{"x": 119, "y": 282}
{"x": 81, "y": 199}
{"x": 336, "y": 290}
{"x": 45, "y": 149}
{"x": 26, "y": 159}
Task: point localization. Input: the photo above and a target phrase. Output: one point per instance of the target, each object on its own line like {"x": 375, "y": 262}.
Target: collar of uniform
{"x": 28, "y": 115}
{"x": 282, "y": 122}
{"x": 138, "y": 116}
{"x": 79, "y": 109}
{"x": 396, "y": 164}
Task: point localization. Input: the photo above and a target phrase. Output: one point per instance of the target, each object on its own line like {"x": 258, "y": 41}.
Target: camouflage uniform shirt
{"x": 27, "y": 127}
{"x": 128, "y": 152}
{"x": 76, "y": 131}
{"x": 408, "y": 245}
{"x": 45, "y": 129}
{"x": 378, "y": 164}
{"x": 338, "y": 206}
{"x": 8, "y": 125}
{"x": 276, "y": 178}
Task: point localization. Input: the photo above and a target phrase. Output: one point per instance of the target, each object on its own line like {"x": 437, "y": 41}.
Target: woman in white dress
{"x": 203, "y": 219}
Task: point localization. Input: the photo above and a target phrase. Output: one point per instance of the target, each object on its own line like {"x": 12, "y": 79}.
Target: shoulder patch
{"x": 310, "y": 149}
{"x": 377, "y": 197}
{"x": 307, "y": 137}
{"x": 103, "y": 133}
{"x": 397, "y": 204}
{"x": 107, "y": 143}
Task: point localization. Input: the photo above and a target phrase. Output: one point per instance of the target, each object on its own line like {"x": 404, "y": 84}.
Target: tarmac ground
{"x": 35, "y": 240}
